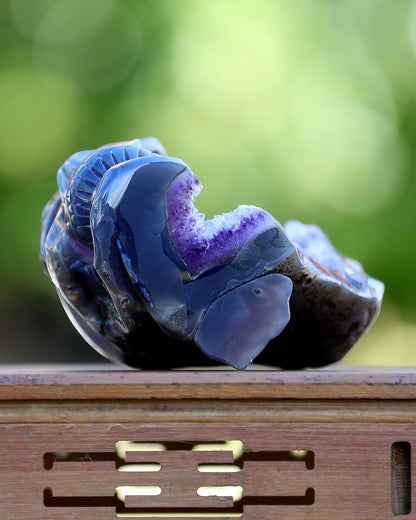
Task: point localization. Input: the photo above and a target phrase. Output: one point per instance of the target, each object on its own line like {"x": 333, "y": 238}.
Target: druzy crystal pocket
{"x": 149, "y": 282}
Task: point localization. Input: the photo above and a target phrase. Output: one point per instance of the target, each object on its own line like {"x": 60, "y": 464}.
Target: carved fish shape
{"x": 147, "y": 280}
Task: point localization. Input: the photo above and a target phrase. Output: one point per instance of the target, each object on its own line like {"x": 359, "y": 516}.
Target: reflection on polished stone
{"x": 149, "y": 282}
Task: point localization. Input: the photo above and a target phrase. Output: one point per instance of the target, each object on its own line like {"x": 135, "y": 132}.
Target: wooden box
{"x": 255, "y": 445}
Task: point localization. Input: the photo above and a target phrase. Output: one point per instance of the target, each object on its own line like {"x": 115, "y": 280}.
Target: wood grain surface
{"x": 313, "y": 445}
{"x": 130, "y": 384}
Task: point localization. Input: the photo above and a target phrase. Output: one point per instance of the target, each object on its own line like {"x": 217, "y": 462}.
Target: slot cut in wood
{"x": 401, "y": 479}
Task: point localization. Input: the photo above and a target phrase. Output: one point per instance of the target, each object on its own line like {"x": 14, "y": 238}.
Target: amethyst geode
{"x": 149, "y": 282}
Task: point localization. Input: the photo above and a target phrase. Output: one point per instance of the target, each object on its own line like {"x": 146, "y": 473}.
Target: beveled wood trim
{"x": 208, "y": 411}
{"x": 130, "y": 384}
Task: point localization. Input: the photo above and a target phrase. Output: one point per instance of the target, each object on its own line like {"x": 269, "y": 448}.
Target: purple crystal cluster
{"x": 149, "y": 282}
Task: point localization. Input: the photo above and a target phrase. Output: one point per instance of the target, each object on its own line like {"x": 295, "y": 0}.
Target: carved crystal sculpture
{"x": 149, "y": 282}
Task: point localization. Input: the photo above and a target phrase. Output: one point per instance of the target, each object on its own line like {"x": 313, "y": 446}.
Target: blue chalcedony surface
{"x": 148, "y": 281}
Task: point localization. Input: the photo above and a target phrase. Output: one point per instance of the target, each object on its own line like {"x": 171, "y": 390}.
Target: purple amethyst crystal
{"x": 149, "y": 282}
{"x": 204, "y": 244}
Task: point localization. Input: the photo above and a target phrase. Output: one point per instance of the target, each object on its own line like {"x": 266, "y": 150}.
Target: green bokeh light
{"x": 37, "y": 120}
{"x": 305, "y": 108}
{"x": 93, "y": 44}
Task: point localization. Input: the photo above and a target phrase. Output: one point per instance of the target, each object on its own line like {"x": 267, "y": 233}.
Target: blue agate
{"x": 149, "y": 282}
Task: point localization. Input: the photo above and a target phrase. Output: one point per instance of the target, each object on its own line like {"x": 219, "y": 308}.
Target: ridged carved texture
{"x": 149, "y": 282}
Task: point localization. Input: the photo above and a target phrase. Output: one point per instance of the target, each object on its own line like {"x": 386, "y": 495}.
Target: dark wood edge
{"x": 130, "y": 384}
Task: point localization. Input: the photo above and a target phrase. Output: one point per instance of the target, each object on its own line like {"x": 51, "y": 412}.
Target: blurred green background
{"x": 306, "y": 108}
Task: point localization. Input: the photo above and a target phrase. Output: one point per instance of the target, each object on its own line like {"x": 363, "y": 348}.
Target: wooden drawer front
{"x": 274, "y": 471}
